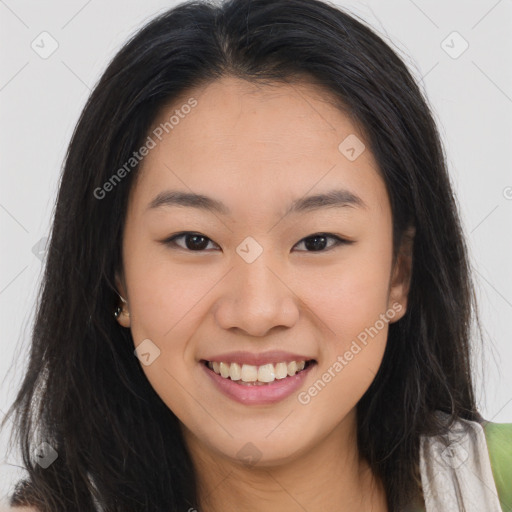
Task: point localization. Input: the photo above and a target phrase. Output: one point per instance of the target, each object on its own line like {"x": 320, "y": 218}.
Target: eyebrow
{"x": 332, "y": 198}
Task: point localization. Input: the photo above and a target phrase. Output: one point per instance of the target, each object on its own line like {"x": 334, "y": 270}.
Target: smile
{"x": 246, "y": 387}
{"x": 257, "y": 375}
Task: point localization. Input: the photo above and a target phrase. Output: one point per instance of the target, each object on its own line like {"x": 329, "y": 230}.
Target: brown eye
{"x": 318, "y": 242}
{"x": 193, "y": 241}
{"x": 196, "y": 242}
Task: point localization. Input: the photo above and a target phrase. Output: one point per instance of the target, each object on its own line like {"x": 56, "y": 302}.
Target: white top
{"x": 456, "y": 472}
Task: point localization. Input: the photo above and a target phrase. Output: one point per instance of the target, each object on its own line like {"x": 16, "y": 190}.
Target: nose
{"x": 256, "y": 298}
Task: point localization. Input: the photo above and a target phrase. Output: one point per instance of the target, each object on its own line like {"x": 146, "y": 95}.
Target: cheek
{"x": 350, "y": 295}
{"x": 355, "y": 337}
{"x": 168, "y": 301}
{"x": 166, "y": 304}
{"x": 351, "y": 299}
{"x": 164, "y": 294}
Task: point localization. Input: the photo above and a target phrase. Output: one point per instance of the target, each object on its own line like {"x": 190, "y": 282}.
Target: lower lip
{"x": 259, "y": 395}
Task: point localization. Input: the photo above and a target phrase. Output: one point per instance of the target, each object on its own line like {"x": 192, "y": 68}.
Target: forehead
{"x": 253, "y": 145}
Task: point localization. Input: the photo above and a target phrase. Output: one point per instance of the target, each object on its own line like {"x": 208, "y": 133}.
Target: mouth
{"x": 262, "y": 375}
{"x": 263, "y": 385}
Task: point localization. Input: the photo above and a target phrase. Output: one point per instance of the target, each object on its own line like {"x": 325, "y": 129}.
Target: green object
{"x": 499, "y": 446}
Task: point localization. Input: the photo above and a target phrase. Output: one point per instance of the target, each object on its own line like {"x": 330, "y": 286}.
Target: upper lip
{"x": 273, "y": 356}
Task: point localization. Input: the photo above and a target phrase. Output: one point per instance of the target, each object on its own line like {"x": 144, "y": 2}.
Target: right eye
{"x": 193, "y": 241}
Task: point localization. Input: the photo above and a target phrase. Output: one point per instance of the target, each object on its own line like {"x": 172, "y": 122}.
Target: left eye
{"x": 197, "y": 242}
{"x": 318, "y": 241}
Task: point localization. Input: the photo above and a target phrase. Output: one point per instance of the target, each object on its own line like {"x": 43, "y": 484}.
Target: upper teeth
{"x": 249, "y": 373}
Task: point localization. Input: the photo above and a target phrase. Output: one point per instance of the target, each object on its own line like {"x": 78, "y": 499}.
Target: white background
{"x": 41, "y": 100}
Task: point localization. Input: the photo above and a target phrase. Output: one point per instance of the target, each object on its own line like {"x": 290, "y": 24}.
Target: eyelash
{"x": 338, "y": 240}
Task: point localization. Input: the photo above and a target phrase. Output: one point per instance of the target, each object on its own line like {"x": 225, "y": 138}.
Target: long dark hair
{"x": 85, "y": 393}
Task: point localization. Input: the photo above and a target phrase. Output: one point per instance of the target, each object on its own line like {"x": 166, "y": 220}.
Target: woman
{"x": 257, "y": 293}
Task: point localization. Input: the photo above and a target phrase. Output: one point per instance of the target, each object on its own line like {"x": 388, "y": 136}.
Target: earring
{"x": 120, "y": 310}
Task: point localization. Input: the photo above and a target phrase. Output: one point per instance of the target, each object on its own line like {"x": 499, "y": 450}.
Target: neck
{"x": 329, "y": 476}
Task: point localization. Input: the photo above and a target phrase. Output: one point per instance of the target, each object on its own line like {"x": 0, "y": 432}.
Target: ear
{"x": 124, "y": 318}
{"x": 401, "y": 275}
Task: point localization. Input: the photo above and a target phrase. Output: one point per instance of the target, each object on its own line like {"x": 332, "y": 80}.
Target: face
{"x": 255, "y": 281}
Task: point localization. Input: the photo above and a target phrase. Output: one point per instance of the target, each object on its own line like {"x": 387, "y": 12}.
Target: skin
{"x": 257, "y": 148}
